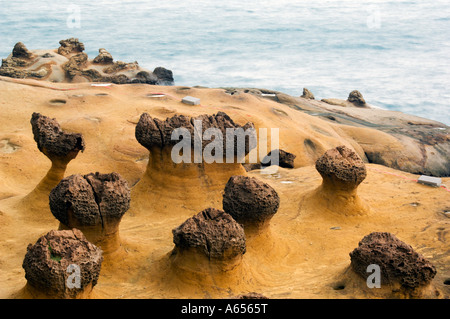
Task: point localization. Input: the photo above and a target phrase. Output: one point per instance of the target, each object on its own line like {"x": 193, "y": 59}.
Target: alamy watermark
{"x": 238, "y": 142}
{"x": 73, "y": 20}
{"x": 74, "y": 280}
{"x": 374, "y": 279}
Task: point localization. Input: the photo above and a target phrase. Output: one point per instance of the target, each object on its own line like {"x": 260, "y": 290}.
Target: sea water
{"x": 396, "y": 53}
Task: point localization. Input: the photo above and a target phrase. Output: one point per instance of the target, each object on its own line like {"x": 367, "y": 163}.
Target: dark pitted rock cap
{"x": 397, "y": 260}
{"x": 213, "y": 232}
{"x": 49, "y": 136}
{"x": 156, "y": 133}
{"x": 91, "y": 199}
{"x": 307, "y": 94}
{"x": 21, "y": 51}
{"x": 249, "y": 200}
{"x": 285, "y": 159}
{"x": 342, "y": 165}
{"x": 46, "y": 262}
{"x": 356, "y": 98}
{"x": 164, "y": 76}
{"x": 103, "y": 57}
{"x": 71, "y": 45}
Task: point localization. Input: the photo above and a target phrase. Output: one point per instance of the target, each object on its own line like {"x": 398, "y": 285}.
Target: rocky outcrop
{"x": 341, "y": 168}
{"x": 285, "y": 159}
{"x": 213, "y": 233}
{"x": 51, "y": 261}
{"x": 251, "y": 295}
{"x": 103, "y": 57}
{"x": 398, "y": 261}
{"x": 93, "y": 203}
{"x": 250, "y": 201}
{"x": 356, "y": 98}
{"x": 71, "y": 64}
{"x": 307, "y": 94}
{"x": 68, "y": 46}
{"x": 52, "y": 140}
{"x": 154, "y": 133}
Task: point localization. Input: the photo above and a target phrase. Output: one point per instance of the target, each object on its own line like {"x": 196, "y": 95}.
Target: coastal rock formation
{"x": 69, "y": 63}
{"x": 52, "y": 140}
{"x": 51, "y": 261}
{"x": 250, "y": 201}
{"x": 93, "y": 203}
{"x": 398, "y": 262}
{"x": 68, "y": 46}
{"x": 103, "y": 57}
{"x": 356, "y": 98}
{"x": 307, "y": 94}
{"x": 213, "y": 233}
{"x": 341, "y": 168}
{"x": 250, "y": 295}
{"x": 195, "y": 166}
{"x": 285, "y": 159}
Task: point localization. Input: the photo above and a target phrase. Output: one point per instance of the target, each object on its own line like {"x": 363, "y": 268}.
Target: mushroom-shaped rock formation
{"x": 103, "y": 57}
{"x": 400, "y": 266}
{"x": 93, "y": 203}
{"x": 307, "y": 94}
{"x": 21, "y": 51}
{"x": 59, "y": 146}
{"x": 192, "y": 168}
{"x": 68, "y": 46}
{"x": 285, "y": 159}
{"x": 342, "y": 170}
{"x": 212, "y": 238}
{"x": 62, "y": 265}
{"x": 250, "y": 201}
{"x": 356, "y": 98}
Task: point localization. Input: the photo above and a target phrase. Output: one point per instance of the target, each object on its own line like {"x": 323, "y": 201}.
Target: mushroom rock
{"x": 307, "y": 94}
{"x": 103, "y": 57}
{"x": 165, "y": 76}
{"x": 210, "y": 239}
{"x": 250, "y": 202}
{"x": 59, "y": 146}
{"x": 190, "y": 181}
{"x": 62, "y": 265}
{"x": 342, "y": 170}
{"x": 356, "y": 98}
{"x": 285, "y": 159}
{"x": 402, "y": 270}
{"x": 93, "y": 203}
{"x": 68, "y": 46}
{"x": 21, "y": 51}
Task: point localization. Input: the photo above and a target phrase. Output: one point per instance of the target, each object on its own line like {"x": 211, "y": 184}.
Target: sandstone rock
{"x": 90, "y": 200}
{"x": 165, "y": 76}
{"x": 69, "y": 46}
{"x": 46, "y": 263}
{"x": 212, "y": 232}
{"x": 341, "y": 168}
{"x": 398, "y": 261}
{"x": 251, "y": 295}
{"x": 103, "y": 57}
{"x": 75, "y": 64}
{"x": 307, "y": 94}
{"x": 51, "y": 140}
{"x": 250, "y": 201}
{"x": 356, "y": 98}
{"x": 285, "y": 159}
{"x": 21, "y": 51}
{"x": 120, "y": 66}
{"x": 156, "y": 133}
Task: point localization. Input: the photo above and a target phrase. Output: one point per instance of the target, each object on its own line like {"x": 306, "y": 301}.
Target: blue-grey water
{"x": 397, "y": 53}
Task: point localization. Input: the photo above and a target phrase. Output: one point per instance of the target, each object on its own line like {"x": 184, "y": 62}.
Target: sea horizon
{"x": 394, "y": 52}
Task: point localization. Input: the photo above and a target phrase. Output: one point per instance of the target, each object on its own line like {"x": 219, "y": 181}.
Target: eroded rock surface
{"x": 52, "y": 140}
{"x": 356, "y": 98}
{"x": 285, "y": 159}
{"x": 398, "y": 261}
{"x": 250, "y": 201}
{"x": 156, "y": 133}
{"x": 212, "y": 232}
{"x": 47, "y": 262}
{"x": 342, "y": 168}
{"x": 307, "y": 94}
{"x": 89, "y": 200}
